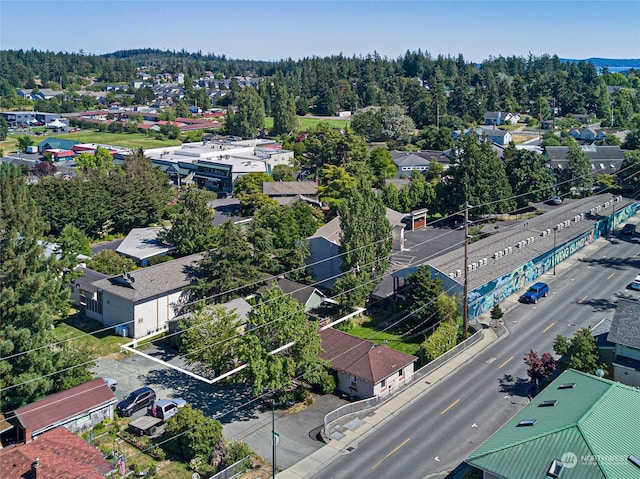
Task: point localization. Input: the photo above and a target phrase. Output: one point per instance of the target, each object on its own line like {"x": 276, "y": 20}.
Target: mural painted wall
{"x": 485, "y": 297}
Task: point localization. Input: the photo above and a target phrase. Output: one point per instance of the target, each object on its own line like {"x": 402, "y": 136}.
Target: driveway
{"x": 242, "y": 417}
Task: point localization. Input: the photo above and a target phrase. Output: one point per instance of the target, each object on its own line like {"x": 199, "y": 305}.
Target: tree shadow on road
{"x": 515, "y": 387}
{"x": 226, "y": 403}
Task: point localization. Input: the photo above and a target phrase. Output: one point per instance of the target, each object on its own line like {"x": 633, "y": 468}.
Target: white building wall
{"x": 627, "y": 352}
{"x": 117, "y": 310}
{"x": 153, "y": 315}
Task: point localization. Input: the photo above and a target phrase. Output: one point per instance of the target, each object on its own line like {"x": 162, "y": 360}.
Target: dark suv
{"x": 138, "y": 399}
{"x": 535, "y": 292}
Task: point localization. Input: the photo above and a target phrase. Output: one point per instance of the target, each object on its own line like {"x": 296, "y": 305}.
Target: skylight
{"x": 555, "y": 468}
{"x": 548, "y": 403}
{"x": 634, "y": 460}
{"x": 567, "y": 386}
{"x": 527, "y": 422}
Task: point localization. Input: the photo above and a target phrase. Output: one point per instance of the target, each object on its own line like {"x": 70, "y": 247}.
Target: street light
{"x": 274, "y": 436}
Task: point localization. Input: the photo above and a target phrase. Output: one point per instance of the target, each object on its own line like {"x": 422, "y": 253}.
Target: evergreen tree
{"x": 248, "y": 120}
{"x": 192, "y": 230}
{"x": 365, "y": 245}
{"x": 581, "y": 171}
{"x": 284, "y": 110}
{"x": 33, "y": 292}
{"x": 477, "y": 177}
{"x": 226, "y": 271}
{"x": 527, "y": 172}
{"x": 421, "y": 296}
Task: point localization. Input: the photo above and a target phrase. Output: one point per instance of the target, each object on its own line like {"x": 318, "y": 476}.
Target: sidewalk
{"x": 358, "y": 425}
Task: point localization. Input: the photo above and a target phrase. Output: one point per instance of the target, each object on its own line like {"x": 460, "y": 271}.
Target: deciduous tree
{"x": 276, "y": 321}
{"x": 191, "y": 434}
{"x": 579, "y": 353}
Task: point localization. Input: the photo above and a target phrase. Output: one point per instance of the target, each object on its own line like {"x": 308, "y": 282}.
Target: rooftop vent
{"x": 527, "y": 422}
{"x": 548, "y": 403}
{"x": 555, "y": 469}
{"x": 567, "y": 386}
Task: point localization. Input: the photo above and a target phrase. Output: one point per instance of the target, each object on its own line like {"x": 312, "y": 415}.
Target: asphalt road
{"x": 432, "y": 436}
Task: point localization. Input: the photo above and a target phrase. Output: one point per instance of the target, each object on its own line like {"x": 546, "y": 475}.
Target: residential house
{"x": 410, "y": 162}
{"x": 325, "y": 260}
{"x": 83, "y": 289}
{"x": 77, "y": 409}
{"x": 498, "y": 118}
{"x": 604, "y": 159}
{"x": 58, "y": 454}
{"x": 142, "y": 244}
{"x": 579, "y": 427}
{"x": 288, "y": 192}
{"x": 308, "y": 296}
{"x": 363, "y": 368}
{"x": 499, "y": 137}
{"x": 142, "y": 302}
{"x": 238, "y": 306}
{"x": 625, "y": 335}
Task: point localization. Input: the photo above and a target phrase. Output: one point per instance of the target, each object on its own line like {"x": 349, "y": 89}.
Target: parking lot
{"x": 243, "y": 417}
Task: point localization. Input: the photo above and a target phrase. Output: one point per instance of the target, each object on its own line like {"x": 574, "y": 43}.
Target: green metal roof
{"x": 598, "y": 421}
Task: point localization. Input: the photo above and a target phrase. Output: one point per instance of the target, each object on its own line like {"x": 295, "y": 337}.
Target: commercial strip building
{"x": 515, "y": 255}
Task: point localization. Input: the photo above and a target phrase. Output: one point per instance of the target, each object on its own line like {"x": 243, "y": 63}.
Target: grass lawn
{"x": 367, "y": 330}
{"x": 128, "y": 140}
{"x": 10, "y": 145}
{"x": 307, "y": 122}
{"x": 101, "y": 344}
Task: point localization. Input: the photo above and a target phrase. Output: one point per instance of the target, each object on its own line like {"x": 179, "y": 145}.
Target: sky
{"x": 273, "y": 30}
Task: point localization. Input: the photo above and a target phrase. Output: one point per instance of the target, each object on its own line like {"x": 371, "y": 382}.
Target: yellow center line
{"x": 548, "y": 327}
{"x": 450, "y": 406}
{"x": 391, "y": 453}
{"x": 611, "y": 276}
{"x": 585, "y": 297}
{"x": 505, "y": 363}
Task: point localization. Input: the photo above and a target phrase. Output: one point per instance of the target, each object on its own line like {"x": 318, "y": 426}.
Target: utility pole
{"x": 465, "y": 307}
{"x": 274, "y": 436}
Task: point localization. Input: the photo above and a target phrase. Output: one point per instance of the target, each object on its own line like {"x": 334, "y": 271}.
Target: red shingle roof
{"x": 62, "y": 455}
{"x": 361, "y": 358}
{"x": 66, "y": 404}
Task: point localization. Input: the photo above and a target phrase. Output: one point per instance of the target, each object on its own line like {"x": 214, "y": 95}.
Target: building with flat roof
{"x": 513, "y": 256}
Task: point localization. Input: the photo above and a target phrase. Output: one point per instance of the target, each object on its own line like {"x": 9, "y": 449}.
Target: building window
{"x": 400, "y": 373}
{"x": 353, "y": 381}
{"x": 383, "y": 383}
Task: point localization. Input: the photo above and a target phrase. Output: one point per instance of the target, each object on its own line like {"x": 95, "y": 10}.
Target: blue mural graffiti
{"x": 485, "y": 297}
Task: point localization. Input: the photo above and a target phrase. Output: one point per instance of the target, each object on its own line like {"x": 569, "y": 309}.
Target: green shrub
{"x": 238, "y": 450}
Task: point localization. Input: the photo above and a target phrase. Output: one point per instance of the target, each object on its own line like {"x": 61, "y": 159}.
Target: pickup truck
{"x": 157, "y": 414}
{"x": 535, "y": 292}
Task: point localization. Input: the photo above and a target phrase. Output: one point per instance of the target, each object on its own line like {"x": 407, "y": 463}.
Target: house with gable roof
{"x": 498, "y": 118}
{"x": 308, "y": 296}
{"x": 579, "y": 427}
{"x": 77, "y": 409}
{"x": 141, "y": 244}
{"x": 142, "y": 302}
{"x": 324, "y": 262}
{"x": 58, "y": 454}
{"x": 363, "y": 368}
{"x": 624, "y": 333}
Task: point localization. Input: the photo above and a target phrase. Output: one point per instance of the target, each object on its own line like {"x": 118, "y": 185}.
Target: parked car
{"x": 555, "y": 200}
{"x": 628, "y": 229}
{"x": 157, "y": 414}
{"x": 535, "y": 292}
{"x": 635, "y": 284}
{"x": 136, "y": 400}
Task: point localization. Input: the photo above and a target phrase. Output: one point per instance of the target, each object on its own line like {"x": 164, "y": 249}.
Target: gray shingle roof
{"x": 289, "y": 188}
{"x": 153, "y": 280}
{"x": 625, "y": 327}
{"x": 594, "y": 153}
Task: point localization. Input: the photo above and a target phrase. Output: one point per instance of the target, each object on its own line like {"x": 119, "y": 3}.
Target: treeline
{"x": 443, "y": 90}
